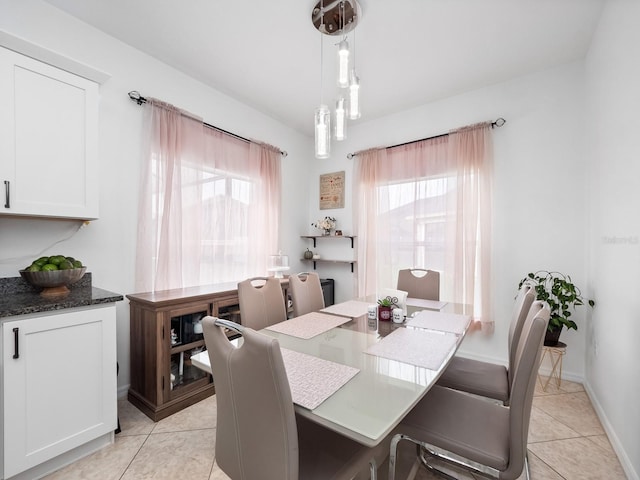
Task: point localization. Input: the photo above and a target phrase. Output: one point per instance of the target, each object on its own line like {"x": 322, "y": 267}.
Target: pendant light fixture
{"x": 341, "y": 119}
{"x": 343, "y": 63}
{"x": 354, "y": 87}
{"x": 323, "y": 131}
{"x": 343, "y": 54}
{"x": 322, "y": 116}
{"x": 338, "y": 17}
{"x": 354, "y": 96}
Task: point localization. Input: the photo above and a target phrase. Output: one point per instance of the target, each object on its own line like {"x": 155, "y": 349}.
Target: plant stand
{"x": 555, "y": 355}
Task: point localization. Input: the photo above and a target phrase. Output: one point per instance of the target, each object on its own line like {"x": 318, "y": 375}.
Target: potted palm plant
{"x": 562, "y": 296}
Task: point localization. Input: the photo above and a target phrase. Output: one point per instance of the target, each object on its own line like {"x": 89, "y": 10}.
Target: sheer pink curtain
{"x": 366, "y": 172}
{"x": 209, "y": 204}
{"x": 245, "y": 222}
{"x": 427, "y": 205}
{"x": 471, "y": 160}
{"x": 169, "y": 215}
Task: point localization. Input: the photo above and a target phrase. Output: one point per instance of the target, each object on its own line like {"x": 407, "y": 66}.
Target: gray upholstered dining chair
{"x": 261, "y": 302}
{"x": 478, "y": 434}
{"x": 258, "y": 435}
{"x": 485, "y": 378}
{"x": 306, "y": 293}
{"x": 420, "y": 283}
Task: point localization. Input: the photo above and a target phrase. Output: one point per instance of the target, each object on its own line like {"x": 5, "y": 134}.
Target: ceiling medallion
{"x": 339, "y": 18}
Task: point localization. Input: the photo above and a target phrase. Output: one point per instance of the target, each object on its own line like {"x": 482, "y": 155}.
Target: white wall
{"x": 613, "y": 362}
{"x": 539, "y": 182}
{"x": 540, "y": 178}
{"x": 107, "y": 245}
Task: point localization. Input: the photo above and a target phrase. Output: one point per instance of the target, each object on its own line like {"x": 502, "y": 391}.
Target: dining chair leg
{"x": 393, "y": 450}
{"x": 526, "y": 465}
{"x": 373, "y": 469}
{"x": 393, "y": 456}
{"x": 422, "y": 460}
{"x": 414, "y": 469}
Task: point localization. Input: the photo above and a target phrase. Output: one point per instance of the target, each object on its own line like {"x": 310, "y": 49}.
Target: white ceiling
{"x": 408, "y": 52}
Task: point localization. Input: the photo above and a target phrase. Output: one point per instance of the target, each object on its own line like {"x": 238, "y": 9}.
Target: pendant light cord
{"x": 321, "y": 49}
{"x": 353, "y": 40}
{"x": 344, "y": 36}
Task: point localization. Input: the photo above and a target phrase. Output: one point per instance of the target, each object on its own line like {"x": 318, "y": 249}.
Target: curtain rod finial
{"x": 499, "y": 122}
{"x": 136, "y": 97}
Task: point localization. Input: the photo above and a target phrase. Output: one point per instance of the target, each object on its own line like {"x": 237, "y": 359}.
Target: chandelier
{"x": 337, "y": 18}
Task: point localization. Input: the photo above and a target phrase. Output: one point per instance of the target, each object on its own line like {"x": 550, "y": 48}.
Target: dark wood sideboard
{"x": 164, "y": 333}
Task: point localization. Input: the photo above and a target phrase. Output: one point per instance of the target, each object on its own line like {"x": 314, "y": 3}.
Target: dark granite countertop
{"x": 17, "y": 297}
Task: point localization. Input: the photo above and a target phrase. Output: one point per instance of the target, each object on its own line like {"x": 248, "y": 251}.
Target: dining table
{"x": 360, "y": 377}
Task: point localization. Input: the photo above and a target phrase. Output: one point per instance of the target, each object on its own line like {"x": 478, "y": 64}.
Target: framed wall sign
{"x": 332, "y": 190}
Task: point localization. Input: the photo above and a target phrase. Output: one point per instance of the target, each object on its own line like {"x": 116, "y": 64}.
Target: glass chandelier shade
{"x": 354, "y": 93}
{"x": 323, "y": 132}
{"x": 343, "y": 64}
{"x": 341, "y": 120}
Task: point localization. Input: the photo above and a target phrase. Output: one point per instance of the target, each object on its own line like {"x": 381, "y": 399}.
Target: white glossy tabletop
{"x": 374, "y": 401}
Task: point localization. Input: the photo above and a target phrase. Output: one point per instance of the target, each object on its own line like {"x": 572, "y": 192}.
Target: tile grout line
{"x": 572, "y": 428}
{"x": 134, "y": 457}
{"x": 577, "y": 434}
{"x": 549, "y": 466}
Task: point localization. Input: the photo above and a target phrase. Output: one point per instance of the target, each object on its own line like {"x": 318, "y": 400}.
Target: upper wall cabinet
{"x": 48, "y": 140}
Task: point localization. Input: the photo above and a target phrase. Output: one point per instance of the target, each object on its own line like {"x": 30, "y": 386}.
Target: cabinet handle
{"x": 7, "y": 203}
{"x": 16, "y": 353}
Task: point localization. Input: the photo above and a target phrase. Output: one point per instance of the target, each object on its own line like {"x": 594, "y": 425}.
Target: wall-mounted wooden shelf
{"x": 322, "y": 260}
{"x": 328, "y": 237}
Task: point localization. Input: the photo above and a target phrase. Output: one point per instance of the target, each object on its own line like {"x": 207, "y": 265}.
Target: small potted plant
{"x": 384, "y": 309}
{"x": 562, "y": 296}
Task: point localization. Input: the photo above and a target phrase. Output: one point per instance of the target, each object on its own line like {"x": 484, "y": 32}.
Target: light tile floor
{"x": 566, "y": 441}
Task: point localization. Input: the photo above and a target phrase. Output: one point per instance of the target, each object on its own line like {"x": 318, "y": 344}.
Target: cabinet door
{"x": 227, "y": 309}
{"x": 59, "y": 387}
{"x": 185, "y": 339}
{"x": 49, "y": 146}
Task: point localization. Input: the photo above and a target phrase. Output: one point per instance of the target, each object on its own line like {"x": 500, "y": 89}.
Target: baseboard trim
{"x": 123, "y": 391}
{"x": 66, "y": 458}
{"x": 627, "y": 466}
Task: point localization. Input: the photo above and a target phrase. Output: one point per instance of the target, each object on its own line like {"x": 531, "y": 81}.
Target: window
{"x": 415, "y": 215}
{"x": 205, "y": 198}
{"x": 427, "y": 204}
{"x": 225, "y": 235}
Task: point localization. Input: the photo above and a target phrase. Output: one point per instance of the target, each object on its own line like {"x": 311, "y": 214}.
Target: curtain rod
{"x": 498, "y": 123}
{"x": 139, "y": 99}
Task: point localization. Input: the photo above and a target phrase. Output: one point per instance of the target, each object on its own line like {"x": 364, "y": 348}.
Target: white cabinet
{"x": 48, "y": 140}
{"x": 58, "y": 384}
